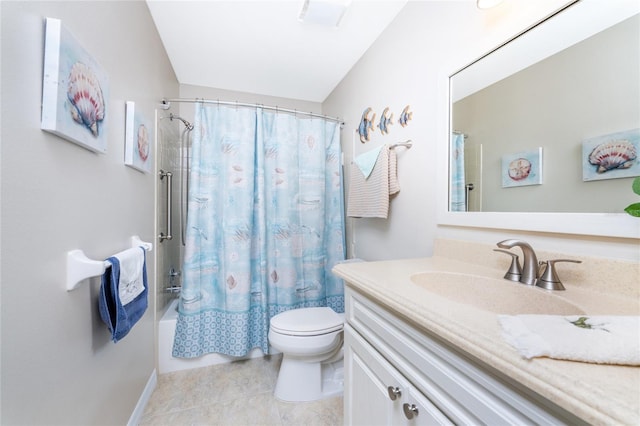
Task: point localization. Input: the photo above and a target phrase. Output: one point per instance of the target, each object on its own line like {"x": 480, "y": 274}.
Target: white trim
{"x": 136, "y": 416}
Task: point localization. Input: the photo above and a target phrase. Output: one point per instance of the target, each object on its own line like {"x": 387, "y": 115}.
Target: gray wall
{"x": 58, "y": 363}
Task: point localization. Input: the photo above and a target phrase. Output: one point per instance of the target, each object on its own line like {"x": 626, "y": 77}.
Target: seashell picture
{"x": 522, "y": 168}
{"x": 138, "y": 140}
{"x": 74, "y": 90}
{"x": 611, "y": 156}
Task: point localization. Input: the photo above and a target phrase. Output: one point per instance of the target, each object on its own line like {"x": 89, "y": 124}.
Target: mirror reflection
{"x": 558, "y": 135}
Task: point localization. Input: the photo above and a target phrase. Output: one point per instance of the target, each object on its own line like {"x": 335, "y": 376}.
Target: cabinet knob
{"x": 410, "y": 410}
{"x": 394, "y": 392}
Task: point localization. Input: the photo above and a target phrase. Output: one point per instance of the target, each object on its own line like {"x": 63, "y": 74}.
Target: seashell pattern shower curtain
{"x": 265, "y": 226}
{"x": 457, "y": 198}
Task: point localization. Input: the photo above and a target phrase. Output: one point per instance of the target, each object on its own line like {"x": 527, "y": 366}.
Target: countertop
{"x": 597, "y": 393}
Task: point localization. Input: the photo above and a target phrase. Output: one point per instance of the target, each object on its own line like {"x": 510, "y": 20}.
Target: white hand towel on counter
{"x": 369, "y": 197}
{"x": 596, "y": 339}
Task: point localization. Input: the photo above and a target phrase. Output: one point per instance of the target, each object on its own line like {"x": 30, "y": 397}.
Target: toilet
{"x": 310, "y": 340}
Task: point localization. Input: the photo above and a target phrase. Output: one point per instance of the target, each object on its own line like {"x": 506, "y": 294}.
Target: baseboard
{"x": 136, "y": 416}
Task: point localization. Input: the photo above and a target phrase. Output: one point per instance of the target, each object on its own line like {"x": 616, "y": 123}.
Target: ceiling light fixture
{"x": 327, "y": 13}
{"x": 487, "y": 4}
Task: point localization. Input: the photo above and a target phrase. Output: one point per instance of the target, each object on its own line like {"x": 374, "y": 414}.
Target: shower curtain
{"x": 265, "y": 226}
{"x": 457, "y": 198}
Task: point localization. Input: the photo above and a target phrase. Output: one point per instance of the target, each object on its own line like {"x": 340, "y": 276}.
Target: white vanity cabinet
{"x": 377, "y": 394}
{"x": 399, "y": 375}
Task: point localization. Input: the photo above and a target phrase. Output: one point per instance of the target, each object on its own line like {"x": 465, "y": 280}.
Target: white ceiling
{"x": 260, "y": 46}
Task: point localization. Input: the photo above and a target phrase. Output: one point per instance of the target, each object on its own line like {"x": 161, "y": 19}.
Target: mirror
{"x": 558, "y": 104}
{"x": 549, "y": 96}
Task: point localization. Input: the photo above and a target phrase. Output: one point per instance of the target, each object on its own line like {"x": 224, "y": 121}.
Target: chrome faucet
{"x": 530, "y": 261}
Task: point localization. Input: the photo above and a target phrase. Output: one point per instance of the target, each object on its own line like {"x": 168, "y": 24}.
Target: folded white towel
{"x": 131, "y": 284}
{"x": 586, "y": 338}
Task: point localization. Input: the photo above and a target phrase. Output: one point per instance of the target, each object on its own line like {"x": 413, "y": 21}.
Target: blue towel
{"x": 367, "y": 161}
{"x": 123, "y": 293}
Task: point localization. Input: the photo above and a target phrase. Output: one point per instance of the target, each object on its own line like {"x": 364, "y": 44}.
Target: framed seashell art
{"x": 611, "y": 156}
{"x": 522, "y": 168}
{"x": 74, "y": 90}
{"x": 138, "y": 140}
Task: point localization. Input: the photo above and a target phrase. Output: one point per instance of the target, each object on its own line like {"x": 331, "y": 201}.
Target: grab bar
{"x": 169, "y": 177}
{"x": 468, "y": 187}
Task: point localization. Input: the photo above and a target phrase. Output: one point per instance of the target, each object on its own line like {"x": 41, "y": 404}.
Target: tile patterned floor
{"x": 240, "y": 393}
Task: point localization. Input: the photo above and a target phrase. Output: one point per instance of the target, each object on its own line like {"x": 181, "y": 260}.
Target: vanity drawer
{"x": 462, "y": 388}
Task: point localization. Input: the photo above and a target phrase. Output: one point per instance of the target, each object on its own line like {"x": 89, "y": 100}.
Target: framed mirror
{"x": 529, "y": 125}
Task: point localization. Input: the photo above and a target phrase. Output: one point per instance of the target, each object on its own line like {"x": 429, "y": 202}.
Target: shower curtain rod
{"x": 166, "y": 104}
{"x": 456, "y": 132}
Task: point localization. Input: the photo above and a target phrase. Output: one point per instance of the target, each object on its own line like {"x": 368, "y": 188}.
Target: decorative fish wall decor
{"x": 366, "y": 125}
{"x": 405, "y": 116}
{"x": 386, "y": 120}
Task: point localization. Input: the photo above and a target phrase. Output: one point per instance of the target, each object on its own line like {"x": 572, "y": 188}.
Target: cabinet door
{"x": 368, "y": 399}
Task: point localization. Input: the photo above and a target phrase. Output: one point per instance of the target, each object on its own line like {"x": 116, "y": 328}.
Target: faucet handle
{"x": 549, "y": 279}
{"x": 515, "y": 272}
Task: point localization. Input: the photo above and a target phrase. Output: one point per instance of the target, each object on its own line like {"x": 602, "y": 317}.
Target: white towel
{"x": 586, "y": 338}
{"x": 369, "y": 197}
{"x": 131, "y": 284}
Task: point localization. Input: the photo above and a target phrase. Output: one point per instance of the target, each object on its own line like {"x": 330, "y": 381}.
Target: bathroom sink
{"x": 494, "y": 295}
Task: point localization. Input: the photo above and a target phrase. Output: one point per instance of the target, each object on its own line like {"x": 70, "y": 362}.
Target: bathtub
{"x": 166, "y": 332}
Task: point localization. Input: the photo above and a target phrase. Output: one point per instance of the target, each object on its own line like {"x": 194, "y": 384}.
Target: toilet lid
{"x": 307, "y": 321}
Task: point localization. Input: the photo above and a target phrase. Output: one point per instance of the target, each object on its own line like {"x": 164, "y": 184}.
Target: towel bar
{"x": 407, "y": 144}
{"x": 80, "y": 267}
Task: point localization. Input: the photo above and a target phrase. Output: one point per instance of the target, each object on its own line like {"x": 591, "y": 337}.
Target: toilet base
{"x": 300, "y": 381}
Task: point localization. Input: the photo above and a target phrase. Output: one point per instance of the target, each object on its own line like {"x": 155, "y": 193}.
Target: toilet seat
{"x": 307, "y": 322}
